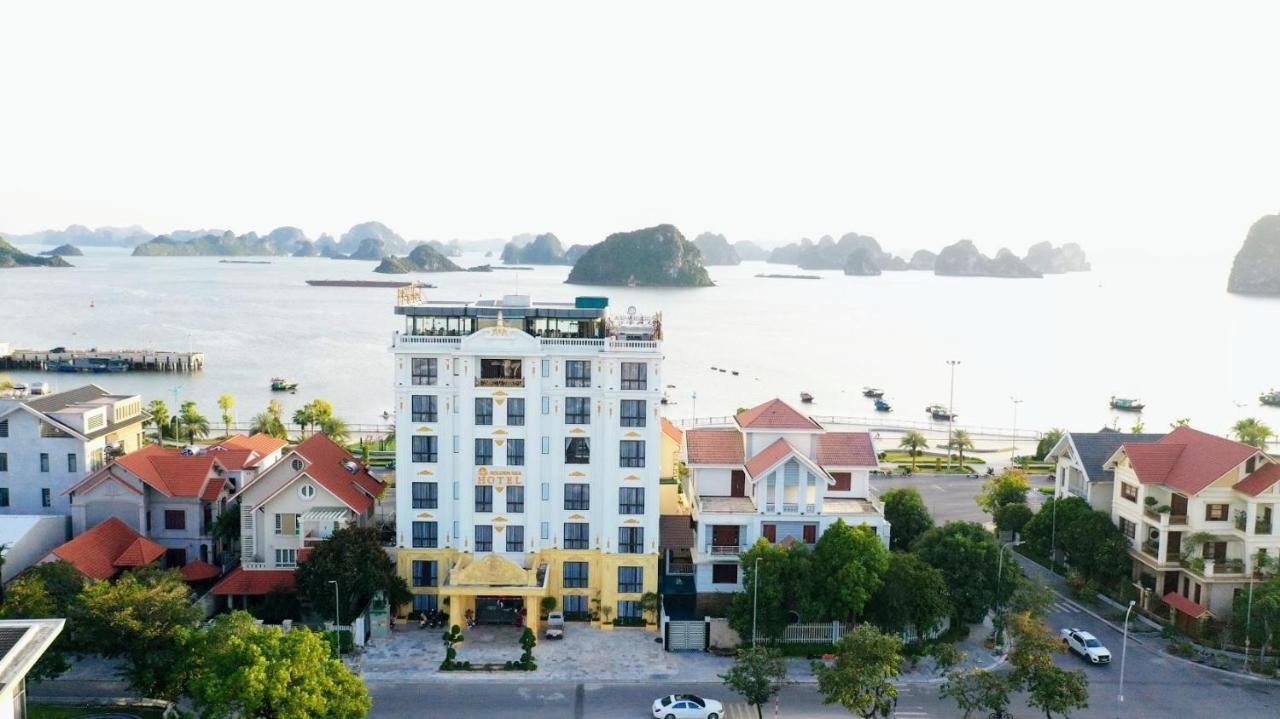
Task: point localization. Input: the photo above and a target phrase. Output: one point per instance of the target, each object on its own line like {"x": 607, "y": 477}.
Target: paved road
{"x": 949, "y": 497}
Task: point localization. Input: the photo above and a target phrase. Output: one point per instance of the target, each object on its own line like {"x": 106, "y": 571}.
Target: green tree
{"x": 1008, "y": 487}
{"x": 226, "y": 403}
{"x": 849, "y": 565}
{"x": 960, "y": 441}
{"x": 913, "y": 442}
{"x": 1091, "y": 544}
{"x": 914, "y": 594}
{"x": 195, "y": 423}
{"x": 1058, "y": 691}
{"x": 907, "y": 515}
{"x": 34, "y": 594}
{"x": 1012, "y": 517}
{"x": 1252, "y": 431}
{"x": 304, "y": 417}
{"x": 768, "y": 599}
{"x": 159, "y": 417}
{"x": 271, "y": 421}
{"x": 861, "y": 678}
{"x": 248, "y": 670}
{"x": 354, "y": 557}
{"x": 1047, "y": 442}
{"x": 757, "y": 674}
{"x": 969, "y": 558}
{"x": 1263, "y": 617}
{"x": 977, "y": 690}
{"x": 527, "y": 642}
{"x": 336, "y": 428}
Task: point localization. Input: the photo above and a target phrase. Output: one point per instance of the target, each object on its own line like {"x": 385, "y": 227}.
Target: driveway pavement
{"x": 951, "y": 498}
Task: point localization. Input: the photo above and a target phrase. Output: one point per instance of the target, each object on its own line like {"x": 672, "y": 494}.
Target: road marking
{"x": 939, "y": 487}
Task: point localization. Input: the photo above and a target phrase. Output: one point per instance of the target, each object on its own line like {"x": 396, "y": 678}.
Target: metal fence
{"x": 882, "y": 424}
{"x": 832, "y": 632}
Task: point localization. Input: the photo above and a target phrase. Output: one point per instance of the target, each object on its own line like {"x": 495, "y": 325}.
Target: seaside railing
{"x": 605, "y": 344}
{"x": 878, "y": 424}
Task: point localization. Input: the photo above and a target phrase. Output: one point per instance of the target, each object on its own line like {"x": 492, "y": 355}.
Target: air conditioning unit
{"x": 1153, "y": 534}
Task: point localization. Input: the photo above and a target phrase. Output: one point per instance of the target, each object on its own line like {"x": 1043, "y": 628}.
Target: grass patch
{"x": 893, "y": 455}
{"x": 62, "y": 711}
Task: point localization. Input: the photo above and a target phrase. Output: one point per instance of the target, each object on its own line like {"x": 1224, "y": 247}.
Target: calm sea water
{"x": 1064, "y": 344}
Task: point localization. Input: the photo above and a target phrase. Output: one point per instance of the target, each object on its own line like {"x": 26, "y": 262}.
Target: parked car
{"x": 1086, "y": 645}
{"x": 687, "y": 706}
{"x": 555, "y": 626}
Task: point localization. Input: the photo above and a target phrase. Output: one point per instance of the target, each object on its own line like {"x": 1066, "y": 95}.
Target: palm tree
{"x": 159, "y": 417}
{"x": 196, "y": 423}
{"x": 268, "y": 423}
{"x": 304, "y": 417}
{"x": 335, "y": 428}
{"x": 225, "y": 403}
{"x": 960, "y": 441}
{"x": 1253, "y": 432}
{"x": 913, "y": 442}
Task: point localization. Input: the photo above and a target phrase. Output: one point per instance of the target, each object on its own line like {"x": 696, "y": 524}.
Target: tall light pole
{"x": 1013, "y": 452}
{"x": 1248, "y": 619}
{"x": 1053, "y": 536}
{"x": 337, "y": 618}
{"x": 1124, "y": 650}
{"x": 951, "y": 409}
{"x": 755, "y": 597}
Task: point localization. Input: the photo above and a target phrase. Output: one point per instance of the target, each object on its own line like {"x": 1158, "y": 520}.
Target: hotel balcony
{"x": 499, "y": 381}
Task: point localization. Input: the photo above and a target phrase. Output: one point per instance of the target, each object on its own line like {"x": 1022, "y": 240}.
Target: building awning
{"x": 1186, "y": 606}
{"x": 325, "y": 514}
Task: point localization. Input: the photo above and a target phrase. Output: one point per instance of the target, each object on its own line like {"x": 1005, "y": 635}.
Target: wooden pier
{"x": 96, "y": 360}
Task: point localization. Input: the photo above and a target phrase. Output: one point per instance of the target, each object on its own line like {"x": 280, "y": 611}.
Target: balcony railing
{"x": 770, "y": 507}
{"x": 499, "y": 381}
{"x": 810, "y": 508}
{"x": 726, "y": 549}
{"x": 789, "y": 507}
{"x": 1241, "y": 522}
{"x": 1261, "y": 527}
{"x": 1151, "y": 547}
{"x": 680, "y": 568}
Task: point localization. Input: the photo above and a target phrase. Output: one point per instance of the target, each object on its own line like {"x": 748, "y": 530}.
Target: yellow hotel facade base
{"x": 528, "y": 452}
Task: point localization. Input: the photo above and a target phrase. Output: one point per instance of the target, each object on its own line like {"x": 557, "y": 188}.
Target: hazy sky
{"x": 1119, "y": 125}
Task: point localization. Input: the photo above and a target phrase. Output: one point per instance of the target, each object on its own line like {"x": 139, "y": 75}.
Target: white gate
{"x": 686, "y": 636}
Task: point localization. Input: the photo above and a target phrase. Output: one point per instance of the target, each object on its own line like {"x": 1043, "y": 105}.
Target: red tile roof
{"x": 714, "y": 446}
{"x": 232, "y": 459}
{"x": 326, "y": 461}
{"x": 774, "y": 414}
{"x": 670, "y": 429}
{"x": 107, "y": 548}
{"x": 199, "y": 571}
{"x": 170, "y": 472}
{"x": 1186, "y": 606}
{"x": 262, "y": 444}
{"x": 1186, "y": 459}
{"x": 770, "y": 456}
{"x": 243, "y": 581}
{"x": 1261, "y": 479}
{"x": 846, "y": 449}
{"x": 676, "y": 531}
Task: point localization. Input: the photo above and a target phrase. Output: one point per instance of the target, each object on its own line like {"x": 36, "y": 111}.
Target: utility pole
{"x": 1124, "y": 651}
{"x": 755, "y": 596}
{"x": 951, "y": 409}
{"x": 1013, "y": 452}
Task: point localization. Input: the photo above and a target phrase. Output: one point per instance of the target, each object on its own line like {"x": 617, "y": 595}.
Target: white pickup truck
{"x": 1086, "y": 645}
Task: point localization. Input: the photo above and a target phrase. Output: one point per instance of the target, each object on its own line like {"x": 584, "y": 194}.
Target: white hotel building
{"x": 527, "y": 457}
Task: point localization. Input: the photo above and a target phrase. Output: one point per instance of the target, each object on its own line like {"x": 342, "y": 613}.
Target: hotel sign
{"x": 503, "y": 477}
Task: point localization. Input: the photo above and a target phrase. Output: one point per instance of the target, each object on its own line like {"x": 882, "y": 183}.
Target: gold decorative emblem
{"x": 425, "y": 471}
{"x": 424, "y": 430}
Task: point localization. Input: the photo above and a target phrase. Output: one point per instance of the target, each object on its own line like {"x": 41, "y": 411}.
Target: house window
{"x": 575, "y": 608}
{"x": 577, "y": 373}
{"x": 515, "y": 538}
{"x": 724, "y": 574}
{"x": 286, "y": 557}
{"x": 424, "y": 408}
{"x": 1129, "y": 528}
{"x": 577, "y": 450}
{"x": 424, "y": 370}
{"x": 425, "y": 449}
{"x": 515, "y": 412}
{"x": 770, "y": 532}
{"x": 484, "y": 452}
{"x": 424, "y": 535}
{"x": 484, "y": 498}
{"x": 484, "y": 410}
{"x": 484, "y": 538}
{"x": 1250, "y": 465}
{"x": 1129, "y": 491}
{"x": 44, "y": 461}
{"x": 576, "y": 575}
{"x": 631, "y": 500}
{"x": 286, "y": 524}
{"x": 71, "y": 463}
{"x": 515, "y": 499}
{"x": 46, "y": 497}
{"x": 515, "y": 453}
{"x": 546, "y": 444}
{"x": 630, "y": 540}
{"x": 635, "y": 375}
{"x": 4, "y": 428}
{"x": 426, "y": 602}
{"x": 576, "y": 535}
{"x": 424, "y": 573}
{"x": 628, "y": 609}
{"x": 296, "y": 464}
{"x": 175, "y": 558}
{"x": 577, "y": 496}
{"x": 4, "y": 496}
{"x": 630, "y": 580}
{"x": 633, "y": 413}
{"x": 809, "y": 533}
{"x": 843, "y": 482}
{"x": 631, "y": 453}
{"x": 4, "y": 461}
{"x": 577, "y": 410}
{"x": 426, "y": 495}
{"x": 1216, "y": 512}
{"x": 175, "y": 519}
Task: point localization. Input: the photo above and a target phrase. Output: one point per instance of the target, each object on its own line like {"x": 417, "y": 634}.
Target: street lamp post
{"x": 1124, "y": 650}
{"x": 1053, "y": 536}
{"x": 1013, "y": 452}
{"x": 755, "y": 597}
{"x": 1248, "y": 619}
{"x": 337, "y": 618}
{"x": 951, "y": 408}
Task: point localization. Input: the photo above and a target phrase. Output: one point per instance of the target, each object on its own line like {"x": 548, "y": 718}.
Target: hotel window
{"x": 457, "y": 443}
{"x": 546, "y": 368}
{"x": 46, "y": 497}
{"x": 630, "y": 540}
{"x": 546, "y": 493}
{"x": 484, "y": 410}
{"x": 631, "y": 500}
{"x": 425, "y": 535}
{"x": 44, "y": 461}
{"x": 286, "y": 557}
{"x": 484, "y": 498}
{"x": 71, "y": 463}
{"x": 424, "y": 408}
{"x": 724, "y": 574}
{"x": 484, "y": 452}
{"x": 577, "y": 373}
{"x": 577, "y": 496}
{"x": 576, "y": 575}
{"x": 484, "y": 538}
{"x": 576, "y": 535}
{"x": 1129, "y": 528}
{"x": 577, "y": 410}
{"x": 633, "y": 414}
{"x": 515, "y": 499}
{"x": 631, "y": 453}
{"x": 424, "y": 448}
{"x": 424, "y": 573}
{"x": 515, "y": 412}
{"x": 515, "y": 453}
{"x": 424, "y": 370}
{"x": 1129, "y": 491}
{"x": 630, "y": 580}
{"x": 1216, "y": 512}
{"x": 515, "y": 538}
{"x": 546, "y": 530}
{"x": 575, "y": 608}
{"x": 546, "y": 444}
{"x": 501, "y": 373}
{"x": 426, "y": 495}
{"x": 577, "y": 450}
{"x": 635, "y": 375}
{"x": 175, "y": 519}
{"x": 546, "y": 405}
{"x": 629, "y": 610}
{"x": 285, "y": 523}
{"x": 4, "y": 461}
{"x": 425, "y": 602}
{"x": 4, "y": 497}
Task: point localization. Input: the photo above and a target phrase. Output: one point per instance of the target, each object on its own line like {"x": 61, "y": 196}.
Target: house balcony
{"x": 1261, "y": 527}
{"x": 729, "y": 505}
{"x": 1165, "y": 519}
{"x": 1209, "y": 568}
{"x": 724, "y": 550}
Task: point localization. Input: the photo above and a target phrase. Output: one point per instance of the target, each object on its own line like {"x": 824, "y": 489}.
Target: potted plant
{"x": 546, "y": 605}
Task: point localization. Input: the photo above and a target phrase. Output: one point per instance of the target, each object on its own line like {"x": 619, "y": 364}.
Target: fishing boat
{"x": 1271, "y": 398}
{"x": 806, "y": 397}
{"x": 1126, "y": 405}
{"x": 280, "y": 384}
{"x": 734, "y": 372}
{"x": 882, "y": 406}
{"x": 940, "y": 412}
{"x": 872, "y": 392}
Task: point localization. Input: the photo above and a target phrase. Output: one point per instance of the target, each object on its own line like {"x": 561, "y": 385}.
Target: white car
{"x": 555, "y": 626}
{"x": 1086, "y": 645}
{"x": 687, "y": 706}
